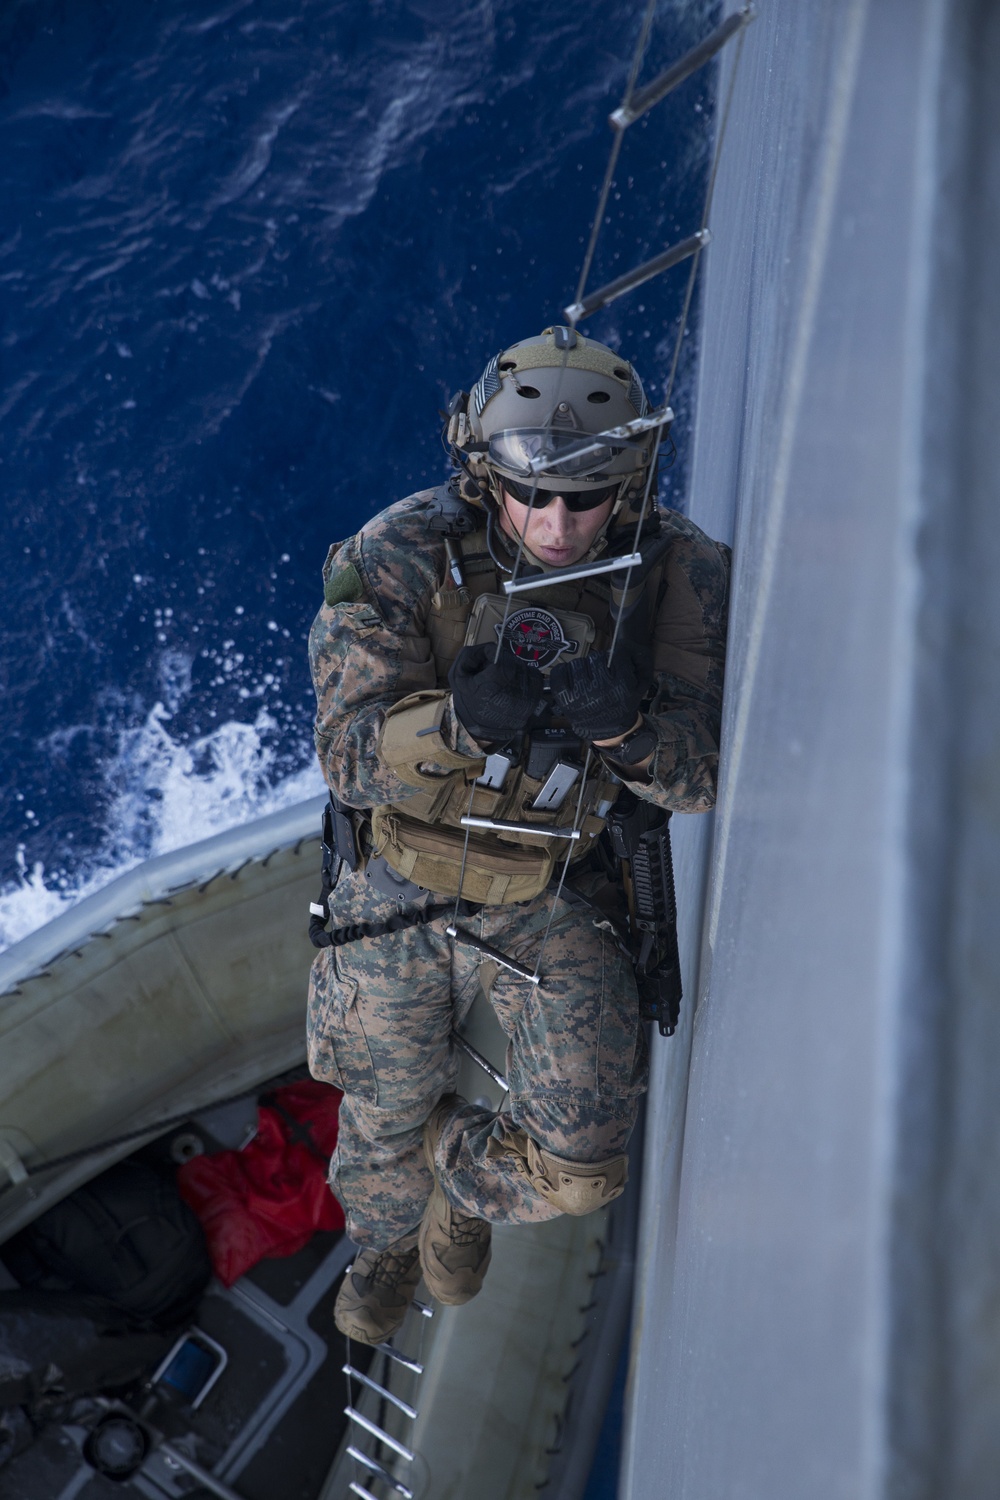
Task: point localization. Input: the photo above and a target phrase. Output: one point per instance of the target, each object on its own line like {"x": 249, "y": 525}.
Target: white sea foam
{"x": 165, "y": 794}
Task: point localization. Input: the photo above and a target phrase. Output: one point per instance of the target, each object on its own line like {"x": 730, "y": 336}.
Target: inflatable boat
{"x": 144, "y": 1025}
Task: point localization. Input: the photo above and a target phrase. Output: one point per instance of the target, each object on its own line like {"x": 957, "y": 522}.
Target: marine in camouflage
{"x": 381, "y": 1010}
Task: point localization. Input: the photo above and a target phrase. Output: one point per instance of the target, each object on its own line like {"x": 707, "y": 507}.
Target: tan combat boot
{"x": 454, "y": 1249}
{"x": 376, "y": 1292}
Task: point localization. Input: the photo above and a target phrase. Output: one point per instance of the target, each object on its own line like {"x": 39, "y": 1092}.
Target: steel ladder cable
{"x": 500, "y": 640}
{"x": 616, "y": 146}
{"x": 465, "y": 856}
{"x": 537, "y": 977}
{"x": 638, "y": 55}
{"x": 636, "y": 64}
{"x": 501, "y": 634}
{"x": 706, "y": 211}
{"x": 637, "y": 60}
{"x": 682, "y": 328}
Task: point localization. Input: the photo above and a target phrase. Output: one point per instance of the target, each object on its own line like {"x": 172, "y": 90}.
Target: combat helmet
{"x": 541, "y": 397}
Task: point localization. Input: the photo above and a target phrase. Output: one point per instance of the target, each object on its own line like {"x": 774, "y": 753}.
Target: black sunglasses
{"x": 574, "y": 500}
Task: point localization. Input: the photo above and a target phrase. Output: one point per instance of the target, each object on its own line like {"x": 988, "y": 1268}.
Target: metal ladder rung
{"x": 376, "y": 1432}
{"x": 380, "y": 1469}
{"x": 577, "y": 311}
{"x": 373, "y": 1385}
{"x": 570, "y": 575}
{"x": 497, "y": 825}
{"x": 401, "y": 1359}
{"x": 626, "y": 430}
{"x": 490, "y": 952}
{"x": 480, "y": 1061}
{"x": 644, "y": 99}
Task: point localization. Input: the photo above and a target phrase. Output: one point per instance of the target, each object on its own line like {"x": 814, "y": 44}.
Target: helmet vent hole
{"x": 508, "y": 364}
{"x": 622, "y": 373}
{"x": 598, "y": 397}
{"x": 529, "y": 392}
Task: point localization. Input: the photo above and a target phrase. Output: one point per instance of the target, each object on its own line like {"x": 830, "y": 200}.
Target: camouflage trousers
{"x": 381, "y": 1014}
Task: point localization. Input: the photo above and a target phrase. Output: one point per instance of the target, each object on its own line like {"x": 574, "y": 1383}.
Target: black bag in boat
{"x": 55, "y": 1346}
{"x": 127, "y": 1237}
{"x": 16, "y": 1433}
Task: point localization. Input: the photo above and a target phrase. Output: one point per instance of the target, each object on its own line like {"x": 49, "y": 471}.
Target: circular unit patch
{"x": 536, "y": 637}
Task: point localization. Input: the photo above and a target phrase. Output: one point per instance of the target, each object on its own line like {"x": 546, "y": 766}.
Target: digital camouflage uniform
{"x": 381, "y": 1010}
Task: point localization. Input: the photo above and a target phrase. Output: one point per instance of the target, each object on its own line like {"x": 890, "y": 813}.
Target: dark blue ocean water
{"x": 248, "y": 248}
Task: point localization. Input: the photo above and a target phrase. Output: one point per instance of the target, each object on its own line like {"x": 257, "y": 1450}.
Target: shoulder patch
{"x": 344, "y": 586}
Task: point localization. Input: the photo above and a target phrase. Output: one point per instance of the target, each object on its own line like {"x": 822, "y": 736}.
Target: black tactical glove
{"x": 494, "y": 700}
{"x": 600, "y": 701}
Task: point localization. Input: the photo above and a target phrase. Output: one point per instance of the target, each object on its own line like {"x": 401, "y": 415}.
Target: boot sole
{"x": 359, "y": 1333}
{"x": 356, "y": 1319}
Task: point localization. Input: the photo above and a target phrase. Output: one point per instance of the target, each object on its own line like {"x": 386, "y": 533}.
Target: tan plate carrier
{"x": 422, "y": 838}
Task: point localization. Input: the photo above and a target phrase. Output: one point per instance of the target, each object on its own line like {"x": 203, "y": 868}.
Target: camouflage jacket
{"x": 368, "y": 648}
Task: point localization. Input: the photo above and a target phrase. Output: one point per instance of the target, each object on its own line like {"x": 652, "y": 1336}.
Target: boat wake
{"x": 164, "y": 793}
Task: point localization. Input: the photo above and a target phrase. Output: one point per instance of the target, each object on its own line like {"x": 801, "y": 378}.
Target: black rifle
{"x": 640, "y": 837}
{"x": 640, "y": 831}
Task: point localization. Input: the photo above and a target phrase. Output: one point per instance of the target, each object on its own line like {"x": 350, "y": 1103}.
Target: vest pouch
{"x": 496, "y": 873}
{"x": 449, "y": 802}
{"x": 511, "y": 802}
{"x": 446, "y": 626}
{"x": 487, "y": 802}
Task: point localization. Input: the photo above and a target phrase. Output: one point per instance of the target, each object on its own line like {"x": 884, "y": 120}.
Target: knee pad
{"x": 572, "y": 1187}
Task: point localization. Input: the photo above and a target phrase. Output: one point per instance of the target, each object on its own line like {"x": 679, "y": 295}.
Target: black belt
{"x": 339, "y": 937}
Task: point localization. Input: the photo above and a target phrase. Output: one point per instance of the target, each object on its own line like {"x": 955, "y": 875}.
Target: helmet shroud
{"x": 541, "y": 397}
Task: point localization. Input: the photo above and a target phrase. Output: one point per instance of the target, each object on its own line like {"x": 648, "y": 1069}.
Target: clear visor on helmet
{"x": 519, "y": 449}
